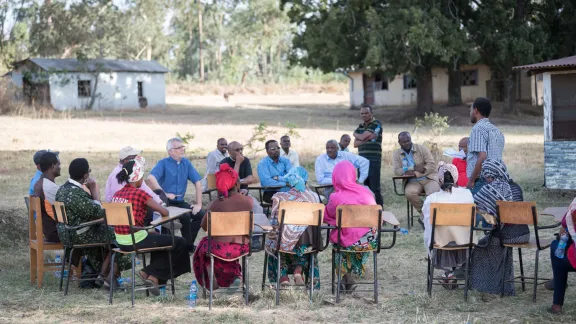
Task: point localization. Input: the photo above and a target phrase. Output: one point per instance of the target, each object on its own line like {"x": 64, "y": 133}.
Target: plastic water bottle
{"x": 404, "y": 165}
{"x": 124, "y": 281}
{"x": 376, "y": 131}
{"x": 57, "y": 260}
{"x": 561, "y": 246}
{"x": 193, "y": 294}
{"x": 163, "y": 291}
{"x": 403, "y": 231}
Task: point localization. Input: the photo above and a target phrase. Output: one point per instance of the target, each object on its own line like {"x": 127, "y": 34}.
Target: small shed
{"x": 559, "y": 97}
{"x": 67, "y": 84}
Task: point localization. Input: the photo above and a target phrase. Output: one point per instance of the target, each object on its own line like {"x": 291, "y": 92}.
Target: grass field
{"x": 98, "y": 136}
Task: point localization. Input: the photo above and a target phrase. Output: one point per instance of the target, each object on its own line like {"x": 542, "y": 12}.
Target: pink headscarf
{"x": 346, "y": 192}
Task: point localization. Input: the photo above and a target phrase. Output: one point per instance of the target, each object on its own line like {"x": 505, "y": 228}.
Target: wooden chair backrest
{"x": 359, "y": 215}
{"x": 60, "y": 209}
{"x": 35, "y": 225}
{"x": 301, "y": 213}
{"x": 452, "y": 214}
{"x": 516, "y": 212}
{"x": 230, "y": 223}
{"x": 117, "y": 214}
{"x": 211, "y": 181}
{"x": 255, "y": 177}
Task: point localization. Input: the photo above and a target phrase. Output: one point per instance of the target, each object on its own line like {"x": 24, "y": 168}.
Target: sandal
{"x": 285, "y": 281}
{"x": 450, "y": 283}
{"x": 298, "y": 280}
{"x": 150, "y": 284}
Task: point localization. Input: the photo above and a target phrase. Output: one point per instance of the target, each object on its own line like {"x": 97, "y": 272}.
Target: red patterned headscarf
{"x": 226, "y": 178}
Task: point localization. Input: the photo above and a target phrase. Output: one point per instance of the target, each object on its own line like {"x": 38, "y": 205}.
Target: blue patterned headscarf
{"x": 297, "y": 177}
{"x": 498, "y": 189}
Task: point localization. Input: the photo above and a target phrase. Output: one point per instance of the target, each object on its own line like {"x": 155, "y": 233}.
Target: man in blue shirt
{"x": 169, "y": 179}
{"x": 325, "y": 163}
{"x": 38, "y": 173}
{"x": 272, "y": 169}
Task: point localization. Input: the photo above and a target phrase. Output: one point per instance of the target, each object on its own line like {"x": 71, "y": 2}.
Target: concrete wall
{"x": 356, "y": 89}
{"x": 559, "y": 161}
{"x": 117, "y": 90}
{"x": 469, "y": 93}
{"x": 396, "y": 95}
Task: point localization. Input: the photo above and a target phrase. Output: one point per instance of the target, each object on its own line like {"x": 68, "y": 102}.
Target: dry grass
{"x": 401, "y": 270}
{"x": 183, "y": 88}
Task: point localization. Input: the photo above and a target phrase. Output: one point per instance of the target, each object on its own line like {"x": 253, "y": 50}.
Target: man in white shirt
{"x": 287, "y": 152}
{"x": 213, "y": 160}
{"x": 325, "y": 163}
{"x": 344, "y": 142}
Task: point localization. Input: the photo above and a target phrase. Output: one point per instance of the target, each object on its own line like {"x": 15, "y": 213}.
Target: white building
{"x": 376, "y": 89}
{"x": 72, "y": 84}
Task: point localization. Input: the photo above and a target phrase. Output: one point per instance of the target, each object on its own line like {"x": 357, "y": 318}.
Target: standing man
{"x": 415, "y": 160}
{"x": 272, "y": 169}
{"x": 240, "y": 163}
{"x": 169, "y": 178}
{"x": 213, "y": 160}
{"x": 287, "y": 152}
{"x": 485, "y": 142}
{"x": 368, "y": 140}
{"x": 344, "y": 142}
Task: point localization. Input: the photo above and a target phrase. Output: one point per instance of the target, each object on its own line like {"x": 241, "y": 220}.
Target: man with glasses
{"x": 240, "y": 163}
{"x": 213, "y": 160}
{"x": 272, "y": 169}
{"x": 169, "y": 179}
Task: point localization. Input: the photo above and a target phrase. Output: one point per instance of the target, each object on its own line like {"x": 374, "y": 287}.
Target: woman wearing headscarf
{"x": 348, "y": 192}
{"x": 226, "y": 273}
{"x": 450, "y": 193}
{"x": 296, "y": 238}
{"x": 488, "y": 267}
{"x": 158, "y": 271}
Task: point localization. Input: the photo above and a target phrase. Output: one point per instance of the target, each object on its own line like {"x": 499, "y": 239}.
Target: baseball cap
{"x": 38, "y": 155}
{"x": 127, "y": 151}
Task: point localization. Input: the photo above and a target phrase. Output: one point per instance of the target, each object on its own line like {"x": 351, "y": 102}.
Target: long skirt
{"x": 289, "y": 262}
{"x": 448, "y": 259}
{"x": 355, "y": 262}
{"x": 488, "y": 266}
{"x": 224, "y": 271}
{"x": 159, "y": 266}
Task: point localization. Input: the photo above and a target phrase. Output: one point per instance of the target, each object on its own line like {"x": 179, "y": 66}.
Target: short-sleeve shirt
{"x": 371, "y": 150}
{"x": 484, "y": 137}
{"x": 173, "y": 176}
{"x": 138, "y": 199}
{"x": 244, "y": 171}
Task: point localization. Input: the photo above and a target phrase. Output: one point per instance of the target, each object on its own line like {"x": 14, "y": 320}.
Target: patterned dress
{"x": 80, "y": 208}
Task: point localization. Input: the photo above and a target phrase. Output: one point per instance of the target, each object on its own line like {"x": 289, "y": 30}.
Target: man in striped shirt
{"x": 368, "y": 140}
{"x": 485, "y": 142}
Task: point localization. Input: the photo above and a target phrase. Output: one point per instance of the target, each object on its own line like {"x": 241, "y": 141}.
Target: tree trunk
{"x": 200, "y": 40}
{"x": 510, "y": 93}
{"x": 454, "y": 85}
{"x": 94, "y": 95}
{"x": 424, "y": 100}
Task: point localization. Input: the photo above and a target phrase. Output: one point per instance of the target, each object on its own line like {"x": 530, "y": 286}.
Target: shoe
{"x": 285, "y": 282}
{"x": 298, "y": 280}
{"x": 549, "y": 285}
{"x": 554, "y": 310}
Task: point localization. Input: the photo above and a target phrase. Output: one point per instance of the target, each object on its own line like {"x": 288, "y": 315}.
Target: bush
{"x": 436, "y": 125}
{"x": 9, "y": 106}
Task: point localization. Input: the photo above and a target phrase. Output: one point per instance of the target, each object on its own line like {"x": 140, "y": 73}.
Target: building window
{"x": 84, "y": 89}
{"x": 409, "y": 81}
{"x": 563, "y": 107}
{"x": 140, "y": 89}
{"x": 380, "y": 82}
{"x": 469, "y": 78}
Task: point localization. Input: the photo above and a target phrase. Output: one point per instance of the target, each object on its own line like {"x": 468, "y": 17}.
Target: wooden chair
{"x": 62, "y": 218}
{"x": 523, "y": 213}
{"x": 230, "y": 224}
{"x": 296, "y": 213}
{"x": 451, "y": 215}
{"x": 120, "y": 214}
{"x": 371, "y": 216}
{"x": 211, "y": 182}
{"x": 37, "y": 243}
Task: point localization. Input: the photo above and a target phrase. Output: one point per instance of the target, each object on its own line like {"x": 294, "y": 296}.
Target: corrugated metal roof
{"x": 73, "y": 65}
{"x": 566, "y": 62}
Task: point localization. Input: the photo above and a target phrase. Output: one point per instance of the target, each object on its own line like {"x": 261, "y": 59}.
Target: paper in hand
{"x": 454, "y": 154}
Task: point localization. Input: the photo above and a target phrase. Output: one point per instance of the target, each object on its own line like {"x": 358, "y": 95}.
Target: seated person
{"x": 158, "y": 271}
{"x": 45, "y": 189}
{"x": 272, "y": 169}
{"x": 82, "y": 207}
{"x": 295, "y": 238}
{"x": 38, "y": 173}
{"x": 348, "y": 192}
{"x": 450, "y": 193}
{"x": 287, "y": 152}
{"x": 239, "y": 163}
{"x": 417, "y": 161}
{"x": 213, "y": 160}
{"x": 460, "y": 164}
{"x": 325, "y": 164}
{"x": 169, "y": 178}
{"x": 126, "y": 154}
{"x": 344, "y": 142}
{"x": 561, "y": 266}
{"x": 226, "y": 273}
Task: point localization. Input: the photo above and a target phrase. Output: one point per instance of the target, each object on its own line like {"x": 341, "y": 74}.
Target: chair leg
{"x": 278, "y": 279}
{"x": 503, "y": 282}
{"x": 211, "y": 282}
{"x": 466, "y": 275}
{"x": 339, "y": 274}
{"x": 264, "y": 270}
{"x": 33, "y": 266}
{"x": 112, "y": 282}
{"x": 333, "y": 270}
{"x": 144, "y": 266}
{"x": 62, "y": 269}
{"x": 408, "y": 213}
{"x": 375, "y": 276}
{"x": 69, "y": 271}
{"x": 112, "y": 279}
{"x": 40, "y": 268}
{"x": 246, "y": 281}
{"x": 311, "y": 276}
{"x": 171, "y": 274}
{"x": 521, "y": 269}
{"x": 429, "y": 275}
{"x": 535, "y": 275}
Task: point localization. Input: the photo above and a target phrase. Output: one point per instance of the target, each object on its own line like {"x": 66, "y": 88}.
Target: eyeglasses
{"x": 274, "y": 148}
{"x": 179, "y": 148}
{"x": 239, "y": 149}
